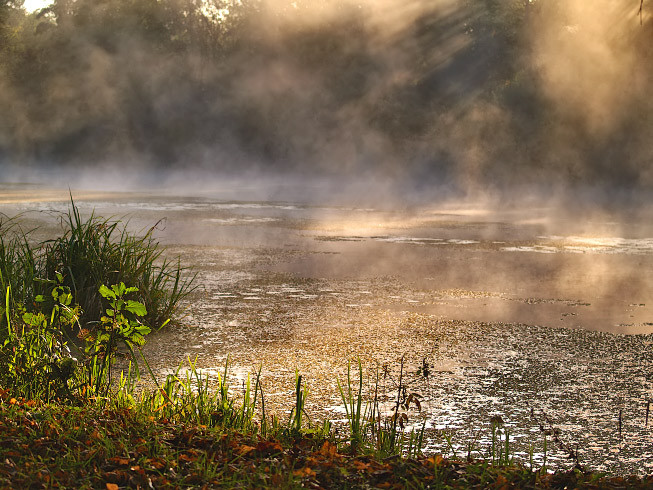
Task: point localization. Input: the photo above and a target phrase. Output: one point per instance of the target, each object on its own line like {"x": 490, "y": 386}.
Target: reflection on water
{"x": 597, "y": 245}
{"x": 505, "y": 330}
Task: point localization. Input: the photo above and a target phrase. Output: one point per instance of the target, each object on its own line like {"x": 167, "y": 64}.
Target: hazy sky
{"x": 31, "y": 5}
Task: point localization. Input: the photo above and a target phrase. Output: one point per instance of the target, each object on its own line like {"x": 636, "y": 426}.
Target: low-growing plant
{"x": 358, "y": 417}
{"x": 298, "y": 411}
{"x": 370, "y": 429}
{"x": 392, "y": 437}
{"x": 120, "y": 326}
{"x": 189, "y": 398}
{"x": 35, "y": 354}
{"x": 19, "y": 266}
{"x": 37, "y": 348}
{"x": 96, "y": 251}
{"x": 500, "y": 448}
{"x": 448, "y": 437}
{"x": 415, "y": 442}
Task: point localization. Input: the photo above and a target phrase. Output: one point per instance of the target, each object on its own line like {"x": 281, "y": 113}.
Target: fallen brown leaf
{"x": 245, "y": 449}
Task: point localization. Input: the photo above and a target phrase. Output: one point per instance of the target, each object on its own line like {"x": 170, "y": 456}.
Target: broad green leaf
{"x": 136, "y": 308}
{"x": 119, "y": 289}
{"x": 143, "y": 329}
{"x": 106, "y": 292}
{"x": 34, "y": 319}
{"x": 137, "y": 339}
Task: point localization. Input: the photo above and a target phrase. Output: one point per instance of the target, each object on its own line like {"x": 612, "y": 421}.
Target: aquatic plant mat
{"x": 55, "y": 446}
{"x": 591, "y": 386}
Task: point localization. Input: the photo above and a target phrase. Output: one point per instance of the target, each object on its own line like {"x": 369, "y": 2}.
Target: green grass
{"x": 95, "y": 251}
{"x": 19, "y": 262}
{"x": 71, "y": 305}
{"x": 372, "y": 431}
{"x": 91, "y": 252}
{"x": 192, "y": 432}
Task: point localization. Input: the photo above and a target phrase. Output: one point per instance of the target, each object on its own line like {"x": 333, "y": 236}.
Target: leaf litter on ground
{"x": 58, "y": 446}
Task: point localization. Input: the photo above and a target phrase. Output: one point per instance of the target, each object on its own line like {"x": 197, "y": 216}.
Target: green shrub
{"x": 34, "y": 352}
{"x": 121, "y": 326}
{"x": 37, "y": 352}
{"x": 88, "y": 254}
{"x": 18, "y": 264}
{"x": 54, "y": 298}
{"x": 99, "y": 251}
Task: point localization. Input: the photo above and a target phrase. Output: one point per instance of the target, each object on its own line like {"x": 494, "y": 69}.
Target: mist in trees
{"x": 470, "y": 96}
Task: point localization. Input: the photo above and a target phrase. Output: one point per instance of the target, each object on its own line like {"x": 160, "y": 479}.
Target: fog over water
{"x": 418, "y": 100}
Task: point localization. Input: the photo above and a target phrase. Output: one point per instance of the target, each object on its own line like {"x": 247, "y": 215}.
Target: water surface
{"x": 544, "y": 321}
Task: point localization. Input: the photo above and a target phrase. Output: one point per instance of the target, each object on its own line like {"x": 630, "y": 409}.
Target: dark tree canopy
{"x": 457, "y": 92}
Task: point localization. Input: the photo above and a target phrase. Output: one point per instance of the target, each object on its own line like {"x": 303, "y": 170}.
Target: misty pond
{"x": 543, "y": 321}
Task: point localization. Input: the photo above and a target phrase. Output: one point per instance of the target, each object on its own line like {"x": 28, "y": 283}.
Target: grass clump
{"x": 371, "y": 430}
{"x": 19, "y": 264}
{"x": 96, "y": 251}
{"x": 72, "y": 305}
{"x": 190, "y": 396}
{"x": 90, "y": 253}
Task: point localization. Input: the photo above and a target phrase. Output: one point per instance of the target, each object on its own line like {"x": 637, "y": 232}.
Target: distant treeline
{"x": 471, "y": 93}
